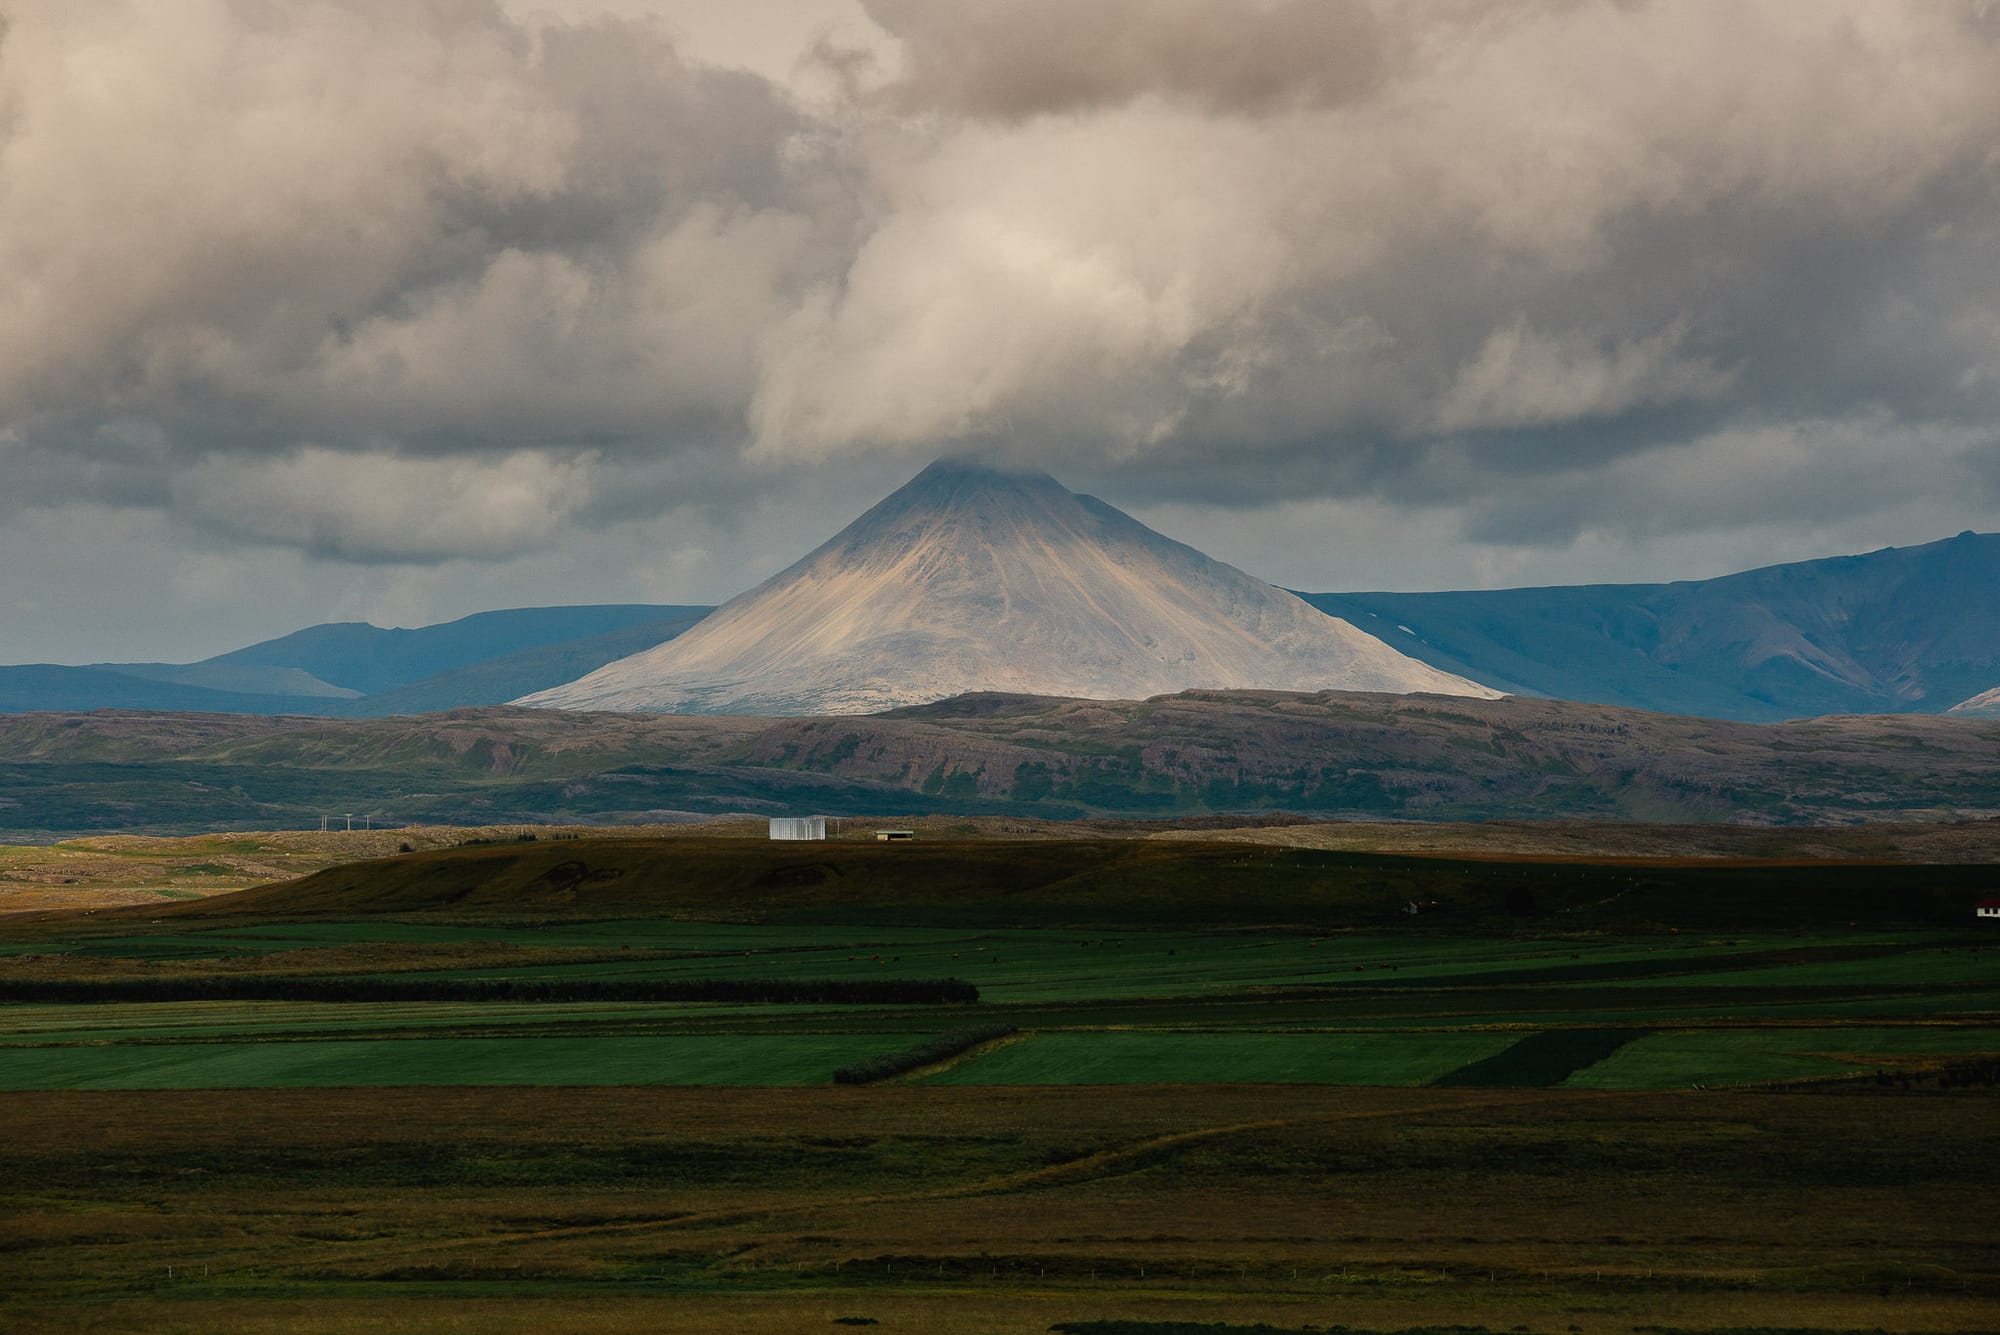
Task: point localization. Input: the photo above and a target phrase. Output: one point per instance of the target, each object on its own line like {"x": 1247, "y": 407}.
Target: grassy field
{"x": 699, "y": 1059}
{"x": 1733, "y": 1056}
{"x": 1668, "y": 1097}
{"x": 1123, "y": 1058}
{"x": 998, "y": 1209}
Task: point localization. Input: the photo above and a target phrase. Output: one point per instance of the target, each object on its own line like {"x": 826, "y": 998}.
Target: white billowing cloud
{"x": 335, "y": 215}
{"x": 382, "y": 508}
{"x": 1497, "y": 219}
{"x": 1492, "y": 262}
{"x": 1006, "y": 291}
{"x": 201, "y": 186}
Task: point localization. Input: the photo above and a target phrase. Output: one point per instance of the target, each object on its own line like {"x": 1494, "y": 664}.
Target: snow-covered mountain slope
{"x": 972, "y": 579}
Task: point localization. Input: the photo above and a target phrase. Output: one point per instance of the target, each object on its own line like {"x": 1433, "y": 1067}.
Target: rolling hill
{"x": 1330, "y": 754}
{"x": 1902, "y": 630}
{"x": 355, "y": 670}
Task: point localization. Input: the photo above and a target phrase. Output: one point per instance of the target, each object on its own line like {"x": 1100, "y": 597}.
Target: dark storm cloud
{"x": 395, "y": 283}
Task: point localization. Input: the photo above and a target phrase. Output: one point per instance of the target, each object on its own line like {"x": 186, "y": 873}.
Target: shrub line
{"x": 942, "y": 1048}
{"x": 773, "y": 991}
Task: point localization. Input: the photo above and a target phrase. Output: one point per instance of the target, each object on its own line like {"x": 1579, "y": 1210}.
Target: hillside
{"x": 970, "y": 578}
{"x": 1903, "y": 630}
{"x": 1081, "y": 882}
{"x": 1427, "y": 758}
{"x": 355, "y": 670}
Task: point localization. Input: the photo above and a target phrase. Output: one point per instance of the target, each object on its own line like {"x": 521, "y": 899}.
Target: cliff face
{"x": 972, "y": 579}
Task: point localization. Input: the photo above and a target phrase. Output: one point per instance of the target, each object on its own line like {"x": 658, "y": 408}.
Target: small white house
{"x": 1987, "y": 908}
{"x": 798, "y": 827}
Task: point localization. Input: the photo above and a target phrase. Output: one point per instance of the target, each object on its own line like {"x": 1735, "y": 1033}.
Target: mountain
{"x": 1984, "y": 705}
{"x": 352, "y": 669}
{"x": 495, "y": 681}
{"x": 367, "y": 659}
{"x": 1902, "y": 630}
{"x": 969, "y": 578}
{"x": 29, "y": 687}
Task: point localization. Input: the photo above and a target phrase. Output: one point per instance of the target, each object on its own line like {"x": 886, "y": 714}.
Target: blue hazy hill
{"x": 365, "y": 658}
{"x": 353, "y": 669}
{"x": 1901, "y": 630}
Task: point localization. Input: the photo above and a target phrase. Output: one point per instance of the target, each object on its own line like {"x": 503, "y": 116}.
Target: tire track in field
{"x": 1095, "y": 1165}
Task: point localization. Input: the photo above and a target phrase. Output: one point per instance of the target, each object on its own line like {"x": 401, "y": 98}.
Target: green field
{"x": 698, "y": 1059}
{"x": 1358, "y": 1007}
{"x": 1671, "y": 1100}
{"x": 1119, "y": 1058}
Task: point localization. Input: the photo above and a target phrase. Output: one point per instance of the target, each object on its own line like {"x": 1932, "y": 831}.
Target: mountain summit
{"x": 970, "y": 578}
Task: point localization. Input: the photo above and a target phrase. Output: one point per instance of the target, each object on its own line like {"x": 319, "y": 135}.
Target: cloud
{"x": 374, "y": 508}
{"x": 1537, "y": 217}
{"x": 1742, "y": 477}
{"x": 1017, "y": 58}
{"x": 300, "y": 274}
{"x": 1520, "y": 378}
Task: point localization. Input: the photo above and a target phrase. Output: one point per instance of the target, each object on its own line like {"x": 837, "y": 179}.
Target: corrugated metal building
{"x": 798, "y": 827}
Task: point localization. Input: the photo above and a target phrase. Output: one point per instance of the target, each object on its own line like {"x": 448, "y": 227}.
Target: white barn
{"x": 798, "y": 827}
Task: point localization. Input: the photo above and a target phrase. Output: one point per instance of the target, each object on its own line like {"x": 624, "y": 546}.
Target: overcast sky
{"x": 395, "y": 311}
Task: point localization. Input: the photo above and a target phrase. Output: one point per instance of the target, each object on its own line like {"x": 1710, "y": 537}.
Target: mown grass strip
{"x": 1540, "y": 1060}
{"x": 1222, "y": 1057}
{"x": 735, "y": 991}
{"x": 942, "y": 1048}
{"x": 582, "y": 1060}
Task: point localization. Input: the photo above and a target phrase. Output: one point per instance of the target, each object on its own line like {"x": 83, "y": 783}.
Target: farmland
{"x": 1202, "y": 1081}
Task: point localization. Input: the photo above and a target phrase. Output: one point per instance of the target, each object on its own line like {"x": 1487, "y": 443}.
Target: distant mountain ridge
{"x": 1910, "y": 629}
{"x": 355, "y": 670}
{"x": 973, "y": 578}
{"x": 1901, "y": 630}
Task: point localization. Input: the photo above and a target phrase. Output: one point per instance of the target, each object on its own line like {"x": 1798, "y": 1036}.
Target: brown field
{"x": 997, "y": 1209}
{"x": 113, "y": 870}
{"x": 108, "y": 871}
{"x": 1960, "y": 841}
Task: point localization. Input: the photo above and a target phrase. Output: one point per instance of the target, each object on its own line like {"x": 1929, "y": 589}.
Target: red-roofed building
{"x": 1988, "y": 908}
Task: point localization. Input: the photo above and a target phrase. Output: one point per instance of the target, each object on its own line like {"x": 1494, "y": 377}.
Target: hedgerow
{"x": 942, "y": 1048}
{"x": 774, "y": 991}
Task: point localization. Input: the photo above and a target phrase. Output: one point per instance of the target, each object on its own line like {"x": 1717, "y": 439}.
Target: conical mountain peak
{"x": 973, "y": 577}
